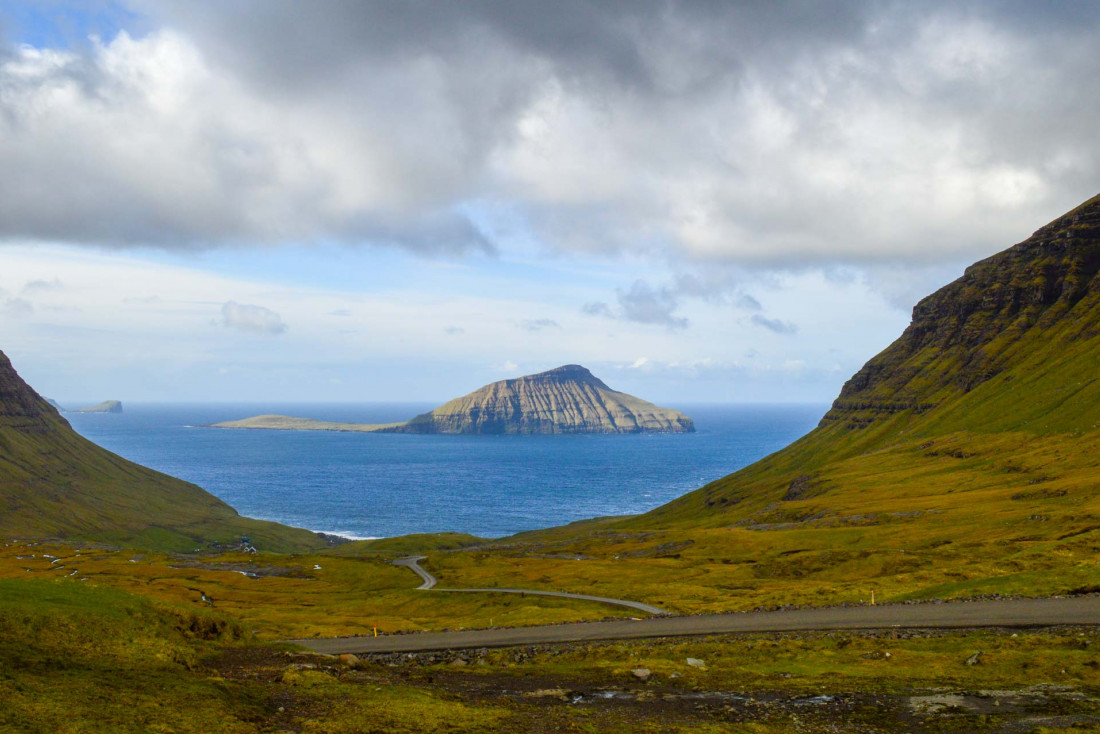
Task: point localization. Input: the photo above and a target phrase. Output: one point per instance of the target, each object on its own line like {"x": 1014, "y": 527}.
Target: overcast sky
{"x": 267, "y": 200}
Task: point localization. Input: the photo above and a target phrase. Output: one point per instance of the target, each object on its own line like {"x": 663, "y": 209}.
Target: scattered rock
{"x": 641, "y": 673}
{"x": 696, "y": 663}
{"x": 349, "y": 660}
{"x": 975, "y": 659}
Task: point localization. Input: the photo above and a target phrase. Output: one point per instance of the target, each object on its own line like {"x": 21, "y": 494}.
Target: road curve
{"x": 1081, "y": 610}
{"x": 413, "y": 563}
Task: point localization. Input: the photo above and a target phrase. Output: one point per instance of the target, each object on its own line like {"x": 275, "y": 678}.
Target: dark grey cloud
{"x": 765, "y": 133}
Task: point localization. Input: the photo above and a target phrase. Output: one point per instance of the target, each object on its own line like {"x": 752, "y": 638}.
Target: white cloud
{"x": 256, "y": 319}
{"x": 43, "y": 286}
{"x": 764, "y": 133}
{"x": 776, "y": 326}
{"x": 536, "y": 325}
{"x": 17, "y": 308}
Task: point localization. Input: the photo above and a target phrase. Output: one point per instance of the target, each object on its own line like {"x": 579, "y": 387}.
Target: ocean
{"x": 381, "y": 485}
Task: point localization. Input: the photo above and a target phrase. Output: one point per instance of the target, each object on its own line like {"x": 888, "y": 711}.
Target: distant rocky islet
{"x": 565, "y": 400}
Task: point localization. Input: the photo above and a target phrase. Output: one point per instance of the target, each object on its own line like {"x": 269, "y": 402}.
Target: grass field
{"x": 81, "y": 656}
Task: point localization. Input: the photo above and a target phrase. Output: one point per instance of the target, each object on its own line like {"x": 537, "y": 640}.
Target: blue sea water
{"x": 379, "y": 485}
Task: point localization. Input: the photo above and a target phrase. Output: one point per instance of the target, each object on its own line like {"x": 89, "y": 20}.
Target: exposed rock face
{"x": 108, "y": 406}
{"x": 965, "y": 333}
{"x": 569, "y": 399}
{"x": 21, "y": 408}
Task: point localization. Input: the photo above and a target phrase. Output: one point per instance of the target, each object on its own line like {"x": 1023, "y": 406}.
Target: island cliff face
{"x": 568, "y": 399}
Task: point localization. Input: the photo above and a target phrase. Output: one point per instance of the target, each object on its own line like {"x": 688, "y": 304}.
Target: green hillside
{"x": 1010, "y": 350}
{"x": 964, "y": 459}
{"x": 54, "y": 483}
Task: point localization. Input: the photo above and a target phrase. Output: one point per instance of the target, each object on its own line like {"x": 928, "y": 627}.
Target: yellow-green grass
{"x": 76, "y": 657}
{"x": 54, "y": 483}
{"x": 407, "y": 544}
{"x": 835, "y": 662}
{"x": 962, "y": 515}
{"x": 289, "y": 596}
{"x": 95, "y": 659}
{"x": 81, "y": 657}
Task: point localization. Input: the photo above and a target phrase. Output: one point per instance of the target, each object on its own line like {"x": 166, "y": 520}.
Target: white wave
{"x": 348, "y": 535}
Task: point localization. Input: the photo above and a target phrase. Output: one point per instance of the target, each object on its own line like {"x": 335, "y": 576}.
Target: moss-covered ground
{"x": 86, "y": 657}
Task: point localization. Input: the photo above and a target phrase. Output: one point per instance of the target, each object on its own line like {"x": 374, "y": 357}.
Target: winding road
{"x": 1076, "y": 610}
{"x": 413, "y": 563}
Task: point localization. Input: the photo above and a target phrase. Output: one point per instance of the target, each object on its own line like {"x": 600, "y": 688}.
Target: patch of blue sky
{"x": 378, "y": 269}
{"x": 58, "y": 24}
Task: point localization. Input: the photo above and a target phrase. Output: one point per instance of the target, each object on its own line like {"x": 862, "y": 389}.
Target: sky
{"x": 274, "y": 201}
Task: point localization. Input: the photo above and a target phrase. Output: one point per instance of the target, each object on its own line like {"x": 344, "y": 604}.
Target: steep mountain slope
{"x": 964, "y": 459}
{"x": 568, "y": 399}
{"x": 1011, "y": 347}
{"x": 55, "y": 483}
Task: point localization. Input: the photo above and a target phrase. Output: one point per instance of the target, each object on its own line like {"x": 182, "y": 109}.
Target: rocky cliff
{"x": 1023, "y": 300}
{"x": 568, "y": 399}
{"x": 993, "y": 386}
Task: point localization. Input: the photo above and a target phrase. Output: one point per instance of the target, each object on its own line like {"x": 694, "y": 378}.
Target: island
{"x": 108, "y": 406}
{"x": 567, "y": 399}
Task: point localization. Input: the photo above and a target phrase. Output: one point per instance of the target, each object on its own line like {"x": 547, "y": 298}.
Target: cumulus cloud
{"x": 777, "y": 326}
{"x": 538, "y": 324}
{"x": 750, "y": 132}
{"x": 597, "y": 308}
{"x": 646, "y": 303}
{"x": 41, "y": 286}
{"x": 17, "y": 308}
{"x": 642, "y": 303}
{"x": 255, "y": 319}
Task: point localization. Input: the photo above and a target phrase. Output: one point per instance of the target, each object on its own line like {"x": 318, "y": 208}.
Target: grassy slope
{"x": 84, "y": 657}
{"x": 962, "y": 460}
{"x": 55, "y": 483}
